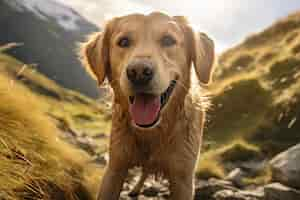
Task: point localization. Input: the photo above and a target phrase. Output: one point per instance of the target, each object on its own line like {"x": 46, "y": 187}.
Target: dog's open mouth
{"x": 145, "y": 108}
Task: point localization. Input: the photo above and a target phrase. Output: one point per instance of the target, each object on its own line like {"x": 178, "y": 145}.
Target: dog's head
{"x": 147, "y": 60}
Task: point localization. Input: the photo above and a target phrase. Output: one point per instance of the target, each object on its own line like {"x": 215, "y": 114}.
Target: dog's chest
{"x": 150, "y": 152}
{"x": 155, "y": 155}
{"x": 153, "y": 160}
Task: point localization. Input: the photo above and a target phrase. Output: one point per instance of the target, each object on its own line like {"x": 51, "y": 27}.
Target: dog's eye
{"x": 124, "y": 42}
{"x": 167, "y": 41}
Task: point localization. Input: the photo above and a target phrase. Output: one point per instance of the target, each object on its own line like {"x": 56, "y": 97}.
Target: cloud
{"x": 228, "y": 22}
{"x": 99, "y": 11}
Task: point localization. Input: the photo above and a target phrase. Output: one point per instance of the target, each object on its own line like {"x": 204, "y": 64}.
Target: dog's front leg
{"x": 182, "y": 186}
{"x": 112, "y": 184}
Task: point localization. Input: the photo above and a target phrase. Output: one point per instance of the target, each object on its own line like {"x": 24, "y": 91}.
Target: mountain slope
{"x": 38, "y": 121}
{"x": 48, "y": 32}
{"x": 257, "y": 89}
{"x": 80, "y": 113}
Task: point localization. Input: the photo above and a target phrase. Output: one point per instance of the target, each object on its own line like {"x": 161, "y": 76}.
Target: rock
{"x": 100, "y": 136}
{"x": 156, "y": 188}
{"x": 151, "y": 191}
{"x": 101, "y": 159}
{"x": 236, "y": 177}
{"x": 258, "y": 193}
{"x": 87, "y": 144}
{"x": 165, "y": 195}
{"x": 254, "y": 166}
{"x": 286, "y": 167}
{"x": 239, "y": 195}
{"x": 206, "y": 189}
{"x": 277, "y": 191}
{"x": 225, "y": 194}
{"x": 149, "y": 198}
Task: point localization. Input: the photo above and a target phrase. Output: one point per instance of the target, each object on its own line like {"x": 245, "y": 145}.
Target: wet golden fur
{"x": 171, "y": 147}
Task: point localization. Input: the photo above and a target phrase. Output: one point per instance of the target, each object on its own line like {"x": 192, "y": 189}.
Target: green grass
{"x": 249, "y": 101}
{"x": 239, "y": 151}
{"x": 65, "y": 106}
{"x": 58, "y": 102}
{"x": 263, "y": 177}
{"x": 218, "y": 162}
{"x": 213, "y": 162}
{"x": 209, "y": 168}
{"x": 35, "y": 162}
{"x": 282, "y": 72}
{"x": 237, "y": 110}
{"x": 296, "y": 49}
{"x": 266, "y": 57}
{"x": 243, "y": 60}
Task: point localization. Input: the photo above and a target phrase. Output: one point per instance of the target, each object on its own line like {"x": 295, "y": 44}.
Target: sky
{"x": 228, "y": 22}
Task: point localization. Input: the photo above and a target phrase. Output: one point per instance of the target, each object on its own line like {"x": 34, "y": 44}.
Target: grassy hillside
{"x": 65, "y": 105}
{"x": 36, "y": 163}
{"x": 256, "y": 93}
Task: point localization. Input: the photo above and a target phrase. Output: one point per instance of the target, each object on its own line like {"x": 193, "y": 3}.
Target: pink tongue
{"x": 145, "y": 109}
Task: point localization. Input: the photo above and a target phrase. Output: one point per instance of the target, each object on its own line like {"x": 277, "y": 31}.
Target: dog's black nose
{"x": 140, "y": 73}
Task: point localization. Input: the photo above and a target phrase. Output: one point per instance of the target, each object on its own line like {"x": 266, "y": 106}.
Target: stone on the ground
{"x": 239, "y": 195}
{"x": 286, "y": 167}
{"x": 151, "y": 191}
{"x": 236, "y": 177}
{"x": 206, "y": 189}
{"x": 277, "y": 191}
{"x": 101, "y": 159}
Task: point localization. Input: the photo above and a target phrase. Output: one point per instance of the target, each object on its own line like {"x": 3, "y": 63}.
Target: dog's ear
{"x": 203, "y": 56}
{"x": 94, "y": 53}
{"x": 200, "y": 49}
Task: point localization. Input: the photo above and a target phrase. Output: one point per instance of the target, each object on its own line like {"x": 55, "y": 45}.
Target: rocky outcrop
{"x": 277, "y": 191}
{"x": 223, "y": 190}
{"x": 286, "y": 167}
{"x": 236, "y": 177}
{"x": 239, "y": 195}
{"x": 207, "y": 189}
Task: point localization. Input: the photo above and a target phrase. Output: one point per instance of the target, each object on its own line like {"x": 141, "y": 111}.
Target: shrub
{"x": 243, "y": 61}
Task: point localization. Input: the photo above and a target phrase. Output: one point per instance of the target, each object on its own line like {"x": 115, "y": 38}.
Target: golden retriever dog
{"x": 147, "y": 60}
